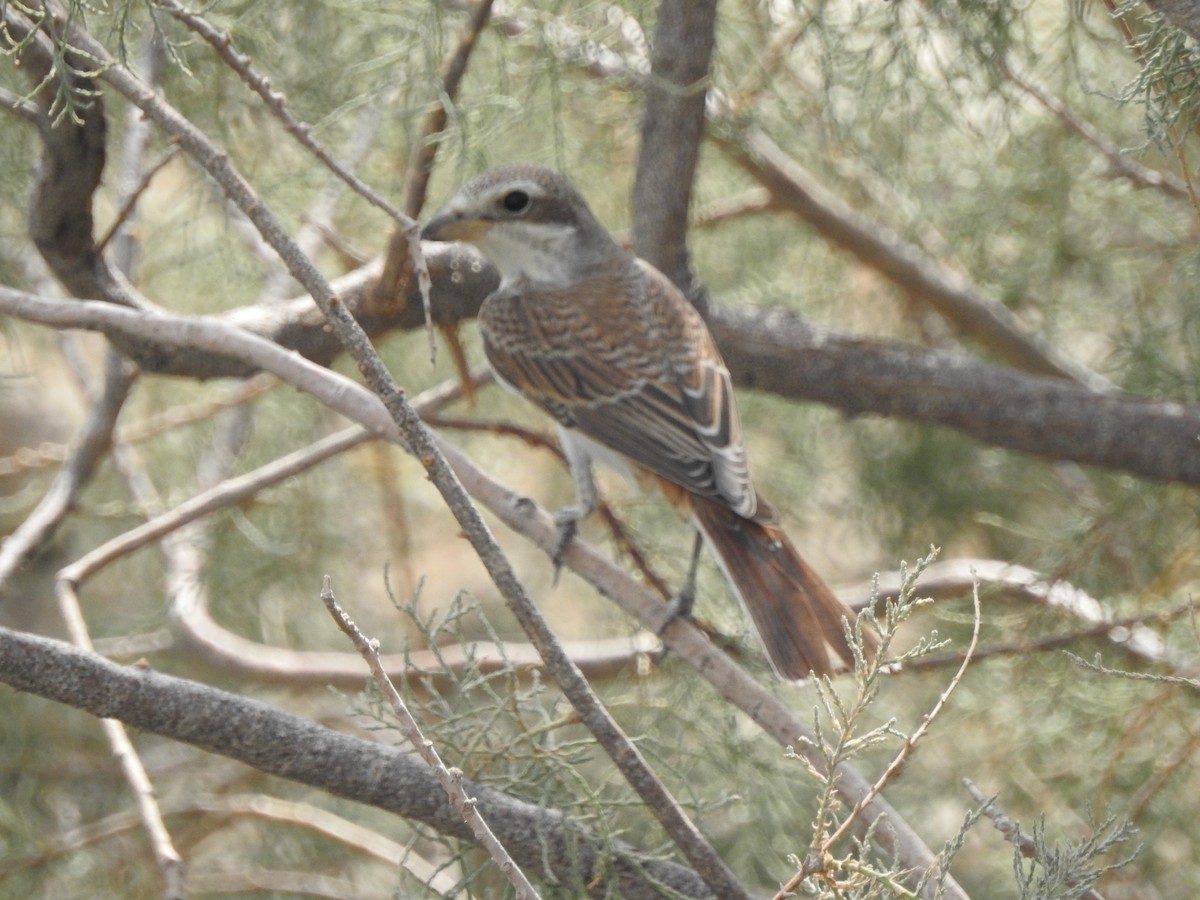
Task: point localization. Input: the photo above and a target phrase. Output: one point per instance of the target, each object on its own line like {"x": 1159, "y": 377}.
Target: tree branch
{"x": 93, "y": 442}
{"x": 982, "y": 318}
{"x": 541, "y": 840}
{"x": 1051, "y": 417}
{"x": 672, "y": 128}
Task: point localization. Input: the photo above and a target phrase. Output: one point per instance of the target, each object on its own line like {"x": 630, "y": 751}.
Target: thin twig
{"x": 449, "y": 779}
{"x": 1123, "y": 166}
{"x": 1005, "y": 825}
{"x": 416, "y": 182}
{"x": 1095, "y": 666}
{"x": 911, "y": 741}
{"x": 228, "y": 493}
{"x": 134, "y": 196}
{"x": 170, "y": 863}
{"x": 318, "y": 230}
{"x": 105, "y": 409}
{"x": 1117, "y": 632}
{"x": 420, "y": 167}
{"x": 276, "y": 102}
{"x": 92, "y": 442}
{"x": 1131, "y": 635}
{"x": 22, "y": 108}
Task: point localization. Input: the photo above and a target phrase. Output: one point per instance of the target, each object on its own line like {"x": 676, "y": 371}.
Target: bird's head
{"x": 529, "y": 222}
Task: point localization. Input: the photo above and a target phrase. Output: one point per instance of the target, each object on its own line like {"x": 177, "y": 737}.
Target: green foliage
{"x": 1062, "y": 872}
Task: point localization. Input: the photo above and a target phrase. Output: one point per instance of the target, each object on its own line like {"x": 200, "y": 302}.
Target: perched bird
{"x": 610, "y": 348}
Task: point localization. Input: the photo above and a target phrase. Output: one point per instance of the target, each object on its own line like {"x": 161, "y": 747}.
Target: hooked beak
{"x": 453, "y": 225}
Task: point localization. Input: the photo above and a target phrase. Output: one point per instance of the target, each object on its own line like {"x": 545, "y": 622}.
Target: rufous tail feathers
{"x": 798, "y": 617}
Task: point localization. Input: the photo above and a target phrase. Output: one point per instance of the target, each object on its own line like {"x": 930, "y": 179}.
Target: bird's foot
{"x": 567, "y": 520}
{"x": 680, "y": 605}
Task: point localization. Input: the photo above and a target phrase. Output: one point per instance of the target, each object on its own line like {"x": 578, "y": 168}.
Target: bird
{"x": 612, "y": 350}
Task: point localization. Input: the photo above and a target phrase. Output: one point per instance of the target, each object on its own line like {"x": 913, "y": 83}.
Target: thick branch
{"x": 541, "y": 840}
{"x": 1051, "y": 417}
{"x": 72, "y": 127}
{"x": 672, "y": 128}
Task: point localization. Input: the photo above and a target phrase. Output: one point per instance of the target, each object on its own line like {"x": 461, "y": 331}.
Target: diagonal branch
{"x": 90, "y": 447}
{"x": 451, "y": 780}
{"x": 977, "y": 315}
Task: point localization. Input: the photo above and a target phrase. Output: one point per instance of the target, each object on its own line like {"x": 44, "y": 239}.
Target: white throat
{"x": 531, "y": 251}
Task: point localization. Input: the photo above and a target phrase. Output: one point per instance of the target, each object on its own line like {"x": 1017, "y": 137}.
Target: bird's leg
{"x": 680, "y": 606}
{"x": 586, "y": 497}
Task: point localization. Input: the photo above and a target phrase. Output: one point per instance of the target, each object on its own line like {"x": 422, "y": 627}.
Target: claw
{"x": 567, "y": 520}
{"x": 680, "y": 605}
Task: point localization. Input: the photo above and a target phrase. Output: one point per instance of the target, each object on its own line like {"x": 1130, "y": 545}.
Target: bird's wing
{"x": 643, "y": 378}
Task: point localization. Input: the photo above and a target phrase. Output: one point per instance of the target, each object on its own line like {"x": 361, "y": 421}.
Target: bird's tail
{"x": 797, "y": 616}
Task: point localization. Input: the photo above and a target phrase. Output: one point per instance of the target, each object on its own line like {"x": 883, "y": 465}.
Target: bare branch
{"x": 95, "y": 442}
{"x": 134, "y": 195}
{"x": 672, "y": 128}
{"x": 420, "y": 166}
{"x": 20, "y": 107}
{"x": 133, "y": 175}
{"x": 170, "y": 863}
{"x": 228, "y": 493}
{"x": 1095, "y": 665}
{"x": 277, "y": 104}
{"x": 955, "y": 577}
{"x": 92, "y": 443}
{"x": 983, "y": 318}
{"x": 783, "y": 353}
{"x": 1012, "y": 830}
{"x": 1122, "y": 165}
{"x": 404, "y": 242}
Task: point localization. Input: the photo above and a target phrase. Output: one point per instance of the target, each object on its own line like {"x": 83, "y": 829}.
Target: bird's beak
{"x": 454, "y": 225}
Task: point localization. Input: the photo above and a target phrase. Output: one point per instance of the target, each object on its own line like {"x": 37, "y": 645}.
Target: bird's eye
{"x": 516, "y": 201}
